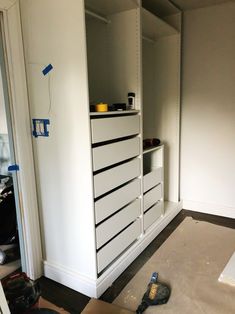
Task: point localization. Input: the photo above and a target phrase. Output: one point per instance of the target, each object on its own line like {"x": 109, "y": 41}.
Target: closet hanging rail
{"x": 97, "y": 16}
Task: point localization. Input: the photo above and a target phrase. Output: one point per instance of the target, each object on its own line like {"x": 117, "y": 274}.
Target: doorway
{"x": 12, "y": 255}
{"x": 18, "y": 138}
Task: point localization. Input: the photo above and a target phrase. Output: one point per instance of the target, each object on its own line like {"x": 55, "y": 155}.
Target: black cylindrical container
{"x": 131, "y": 101}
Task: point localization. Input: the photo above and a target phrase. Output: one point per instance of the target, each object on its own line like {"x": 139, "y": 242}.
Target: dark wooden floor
{"x": 75, "y": 302}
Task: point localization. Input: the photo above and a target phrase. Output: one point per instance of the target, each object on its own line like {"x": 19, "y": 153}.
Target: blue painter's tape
{"x": 47, "y": 69}
{"x": 13, "y": 168}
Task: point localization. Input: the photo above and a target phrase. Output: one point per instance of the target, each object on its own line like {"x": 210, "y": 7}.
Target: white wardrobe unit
{"x": 118, "y": 197}
{"x": 112, "y": 31}
{"x": 161, "y": 56}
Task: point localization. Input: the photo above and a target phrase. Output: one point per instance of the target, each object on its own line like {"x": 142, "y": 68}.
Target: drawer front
{"x": 112, "y": 178}
{"x": 109, "y": 252}
{"x": 109, "y": 204}
{"x": 153, "y": 178}
{"x": 106, "y": 155}
{"x": 152, "y": 215}
{"x": 108, "y": 229}
{"x": 106, "y": 129}
{"x": 152, "y": 196}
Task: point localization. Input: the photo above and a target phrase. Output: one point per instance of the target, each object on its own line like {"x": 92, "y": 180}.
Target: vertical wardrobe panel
{"x": 124, "y": 65}
{"x": 167, "y": 100}
{"x": 149, "y": 76}
{"x": 97, "y": 49}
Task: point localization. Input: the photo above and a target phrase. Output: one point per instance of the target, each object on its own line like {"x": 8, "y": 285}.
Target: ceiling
{"x": 195, "y": 4}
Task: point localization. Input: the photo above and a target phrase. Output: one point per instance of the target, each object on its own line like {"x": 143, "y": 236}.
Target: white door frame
{"x": 22, "y": 138}
{"x": 4, "y": 309}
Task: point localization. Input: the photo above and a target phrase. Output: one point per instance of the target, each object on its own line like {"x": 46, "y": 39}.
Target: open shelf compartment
{"x": 153, "y": 168}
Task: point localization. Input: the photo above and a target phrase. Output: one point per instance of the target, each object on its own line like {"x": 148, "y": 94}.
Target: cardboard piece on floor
{"x": 228, "y": 274}
{"x": 101, "y": 307}
{"x": 48, "y": 305}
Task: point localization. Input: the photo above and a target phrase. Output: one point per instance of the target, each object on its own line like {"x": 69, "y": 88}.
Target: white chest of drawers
{"x": 117, "y": 185}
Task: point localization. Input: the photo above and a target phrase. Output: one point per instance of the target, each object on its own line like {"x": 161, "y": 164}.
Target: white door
{"x": 19, "y": 126}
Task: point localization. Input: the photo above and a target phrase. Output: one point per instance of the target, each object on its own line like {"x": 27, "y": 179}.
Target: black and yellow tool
{"x": 156, "y": 294}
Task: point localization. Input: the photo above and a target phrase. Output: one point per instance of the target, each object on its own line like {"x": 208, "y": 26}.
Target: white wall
{"x": 54, "y": 32}
{"x": 208, "y": 110}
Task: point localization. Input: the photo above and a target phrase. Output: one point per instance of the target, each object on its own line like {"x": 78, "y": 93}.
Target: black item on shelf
{"x": 131, "y": 100}
{"x": 92, "y": 108}
{"x": 151, "y": 142}
{"x": 117, "y": 106}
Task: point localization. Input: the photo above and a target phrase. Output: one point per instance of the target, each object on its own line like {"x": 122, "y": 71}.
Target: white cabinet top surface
{"x": 107, "y": 7}
{"x": 154, "y": 27}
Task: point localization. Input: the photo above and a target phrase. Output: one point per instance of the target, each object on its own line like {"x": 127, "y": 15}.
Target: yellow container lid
{"x": 101, "y": 107}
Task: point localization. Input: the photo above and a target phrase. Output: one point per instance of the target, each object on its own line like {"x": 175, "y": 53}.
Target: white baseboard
{"x": 95, "y": 288}
{"x": 212, "y": 209}
{"x": 70, "y": 278}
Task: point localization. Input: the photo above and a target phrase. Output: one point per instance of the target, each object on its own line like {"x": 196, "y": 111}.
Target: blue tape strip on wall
{"x": 13, "y": 168}
{"x": 47, "y": 69}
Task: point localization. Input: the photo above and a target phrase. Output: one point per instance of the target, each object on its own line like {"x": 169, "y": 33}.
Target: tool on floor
{"x": 23, "y": 294}
{"x": 156, "y": 294}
